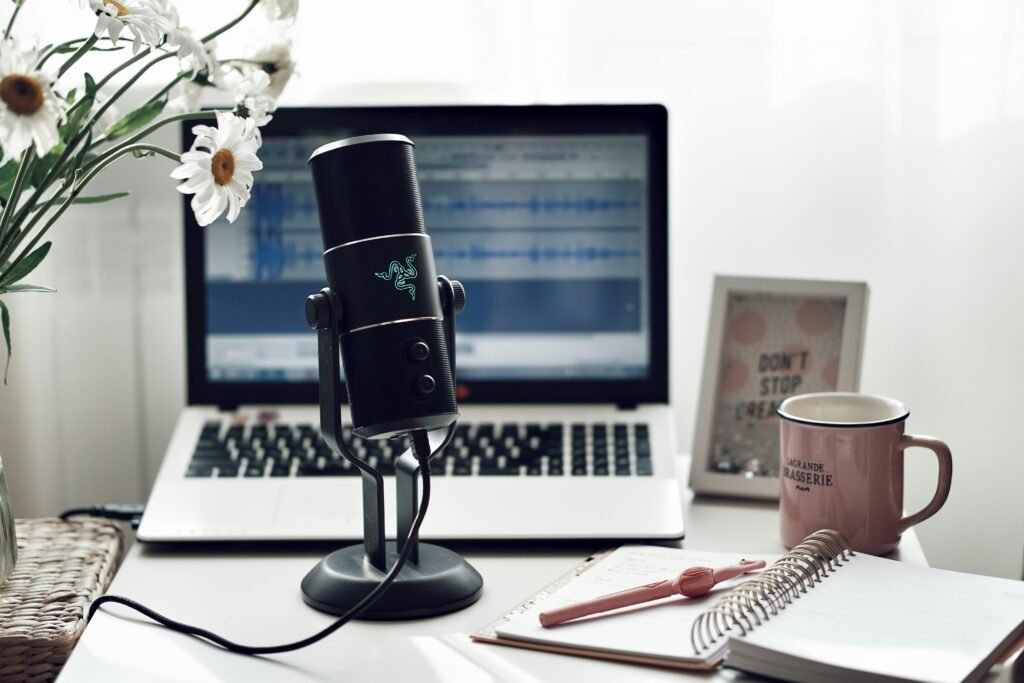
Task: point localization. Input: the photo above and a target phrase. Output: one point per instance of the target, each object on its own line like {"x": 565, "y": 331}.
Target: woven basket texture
{"x": 62, "y": 566}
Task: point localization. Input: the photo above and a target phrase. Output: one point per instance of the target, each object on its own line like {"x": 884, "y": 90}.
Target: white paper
{"x": 659, "y": 628}
{"x": 887, "y": 618}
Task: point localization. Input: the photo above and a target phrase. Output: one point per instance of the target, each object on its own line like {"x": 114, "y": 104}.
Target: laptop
{"x": 555, "y": 220}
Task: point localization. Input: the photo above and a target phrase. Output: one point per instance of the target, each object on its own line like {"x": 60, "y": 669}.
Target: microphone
{"x": 391, "y": 319}
{"x": 380, "y": 266}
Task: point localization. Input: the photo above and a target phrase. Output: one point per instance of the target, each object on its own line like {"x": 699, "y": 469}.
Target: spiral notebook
{"x": 812, "y": 615}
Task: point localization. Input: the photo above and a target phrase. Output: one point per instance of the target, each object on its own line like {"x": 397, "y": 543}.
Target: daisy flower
{"x": 29, "y": 110}
{"x": 218, "y": 169}
{"x": 191, "y": 52}
{"x": 280, "y": 9}
{"x": 276, "y": 59}
{"x": 142, "y": 18}
{"x": 251, "y": 96}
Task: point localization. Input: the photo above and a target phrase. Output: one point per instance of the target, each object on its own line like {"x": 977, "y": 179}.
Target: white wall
{"x": 869, "y": 141}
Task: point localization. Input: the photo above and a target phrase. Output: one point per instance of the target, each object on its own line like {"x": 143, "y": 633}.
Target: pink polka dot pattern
{"x": 735, "y": 374}
{"x": 748, "y": 327}
{"x": 814, "y": 317}
{"x": 830, "y": 374}
{"x": 765, "y": 340}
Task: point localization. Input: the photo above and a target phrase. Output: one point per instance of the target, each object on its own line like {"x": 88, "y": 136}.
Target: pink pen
{"x": 691, "y": 583}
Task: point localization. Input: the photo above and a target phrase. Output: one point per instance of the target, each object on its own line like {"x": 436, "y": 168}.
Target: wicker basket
{"x": 61, "y": 567}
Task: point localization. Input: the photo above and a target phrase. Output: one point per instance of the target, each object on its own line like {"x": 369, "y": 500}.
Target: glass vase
{"x": 8, "y": 541}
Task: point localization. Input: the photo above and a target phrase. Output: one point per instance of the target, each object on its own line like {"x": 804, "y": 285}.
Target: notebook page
{"x": 659, "y": 628}
{"x": 887, "y": 618}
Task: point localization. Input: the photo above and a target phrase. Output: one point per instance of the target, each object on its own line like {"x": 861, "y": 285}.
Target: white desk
{"x": 252, "y": 597}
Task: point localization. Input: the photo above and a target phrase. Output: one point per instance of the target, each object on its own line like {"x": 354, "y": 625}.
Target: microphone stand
{"x": 435, "y": 580}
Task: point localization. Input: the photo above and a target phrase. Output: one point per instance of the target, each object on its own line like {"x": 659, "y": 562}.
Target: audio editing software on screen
{"x": 548, "y": 234}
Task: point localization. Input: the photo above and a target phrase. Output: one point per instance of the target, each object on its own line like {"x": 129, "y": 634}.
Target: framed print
{"x": 768, "y": 339}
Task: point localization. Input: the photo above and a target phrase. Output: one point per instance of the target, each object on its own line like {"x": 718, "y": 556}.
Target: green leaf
{"x": 92, "y": 199}
{"x": 42, "y": 166}
{"x": 90, "y": 85}
{"x": 13, "y": 289}
{"x": 6, "y": 319}
{"x": 71, "y": 126}
{"x": 70, "y": 97}
{"x": 136, "y": 119}
{"x": 25, "y": 265}
{"x": 8, "y": 173}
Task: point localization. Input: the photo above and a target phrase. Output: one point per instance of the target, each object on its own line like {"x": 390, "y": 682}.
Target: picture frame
{"x": 768, "y": 339}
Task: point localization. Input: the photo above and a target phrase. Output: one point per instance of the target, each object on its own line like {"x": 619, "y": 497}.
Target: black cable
{"x": 348, "y": 616}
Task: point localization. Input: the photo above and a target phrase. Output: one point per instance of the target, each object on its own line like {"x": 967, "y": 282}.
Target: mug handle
{"x": 941, "y": 452}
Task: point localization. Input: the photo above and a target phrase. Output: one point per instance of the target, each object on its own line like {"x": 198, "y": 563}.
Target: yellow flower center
{"x": 122, "y": 11}
{"x": 22, "y": 94}
{"x": 223, "y": 166}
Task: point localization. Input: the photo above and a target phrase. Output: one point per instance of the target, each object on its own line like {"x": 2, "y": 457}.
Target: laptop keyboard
{"x": 261, "y": 449}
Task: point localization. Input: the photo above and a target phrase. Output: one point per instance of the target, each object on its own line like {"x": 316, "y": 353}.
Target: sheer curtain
{"x": 873, "y": 141}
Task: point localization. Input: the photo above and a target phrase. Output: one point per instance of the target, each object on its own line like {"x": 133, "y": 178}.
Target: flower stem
{"x": 14, "y": 15}
{"x": 231, "y": 24}
{"x": 79, "y": 53}
{"x": 138, "y": 137}
{"x": 15, "y": 190}
{"x": 79, "y": 185}
{"x": 58, "y": 166}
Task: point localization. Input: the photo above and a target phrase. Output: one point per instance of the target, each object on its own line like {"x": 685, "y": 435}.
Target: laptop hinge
{"x": 626, "y": 406}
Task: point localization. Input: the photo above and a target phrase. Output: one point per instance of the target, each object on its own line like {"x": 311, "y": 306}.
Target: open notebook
{"x": 858, "y": 618}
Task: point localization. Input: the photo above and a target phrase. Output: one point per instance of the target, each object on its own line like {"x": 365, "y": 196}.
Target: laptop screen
{"x": 547, "y": 220}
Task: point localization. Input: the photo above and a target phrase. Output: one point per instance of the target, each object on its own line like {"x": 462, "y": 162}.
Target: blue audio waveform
{"x": 271, "y": 255}
{"x": 537, "y": 254}
{"x": 534, "y": 205}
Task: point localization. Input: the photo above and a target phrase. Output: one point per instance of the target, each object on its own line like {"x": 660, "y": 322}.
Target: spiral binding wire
{"x": 762, "y": 597}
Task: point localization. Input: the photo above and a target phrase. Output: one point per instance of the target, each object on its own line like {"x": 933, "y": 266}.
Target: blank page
{"x": 891, "y": 619}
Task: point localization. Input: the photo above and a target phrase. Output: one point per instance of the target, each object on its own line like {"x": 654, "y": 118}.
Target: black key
{"x": 280, "y": 470}
{"x": 462, "y": 469}
{"x": 622, "y": 471}
{"x": 555, "y": 472}
{"x": 533, "y": 471}
{"x": 620, "y": 430}
{"x": 199, "y": 471}
{"x": 644, "y": 468}
{"x": 227, "y": 471}
{"x": 600, "y": 470}
{"x": 579, "y": 471}
{"x": 498, "y": 472}
{"x": 485, "y": 429}
{"x": 254, "y": 470}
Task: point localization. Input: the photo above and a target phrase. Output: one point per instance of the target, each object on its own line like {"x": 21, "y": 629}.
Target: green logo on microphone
{"x": 399, "y": 273}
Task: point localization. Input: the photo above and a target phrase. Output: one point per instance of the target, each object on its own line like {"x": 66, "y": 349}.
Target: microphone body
{"x": 380, "y": 266}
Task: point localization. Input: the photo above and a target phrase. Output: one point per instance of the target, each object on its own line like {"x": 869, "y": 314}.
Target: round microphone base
{"x": 441, "y": 582}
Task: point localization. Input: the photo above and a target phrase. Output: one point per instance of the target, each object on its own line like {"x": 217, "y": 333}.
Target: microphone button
{"x": 424, "y": 385}
{"x": 418, "y": 351}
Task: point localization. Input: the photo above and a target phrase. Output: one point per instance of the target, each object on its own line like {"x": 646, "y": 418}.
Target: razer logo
{"x": 400, "y": 274}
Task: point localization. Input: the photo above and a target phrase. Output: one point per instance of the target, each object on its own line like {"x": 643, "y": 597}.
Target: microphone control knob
{"x": 418, "y": 351}
{"x": 424, "y": 385}
{"x": 459, "y": 301}
{"x": 318, "y": 311}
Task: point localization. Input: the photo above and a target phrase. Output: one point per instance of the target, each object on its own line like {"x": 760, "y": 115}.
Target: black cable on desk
{"x": 348, "y": 616}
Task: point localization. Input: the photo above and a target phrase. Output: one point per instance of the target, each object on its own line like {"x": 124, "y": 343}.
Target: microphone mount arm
{"x": 323, "y": 313}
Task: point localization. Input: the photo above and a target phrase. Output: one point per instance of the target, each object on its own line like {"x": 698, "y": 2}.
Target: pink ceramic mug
{"x": 841, "y": 467}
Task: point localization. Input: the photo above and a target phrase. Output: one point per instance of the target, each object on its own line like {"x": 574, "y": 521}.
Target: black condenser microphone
{"x": 380, "y": 266}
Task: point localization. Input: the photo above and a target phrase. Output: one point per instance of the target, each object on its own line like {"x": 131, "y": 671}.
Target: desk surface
{"x": 252, "y": 596}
